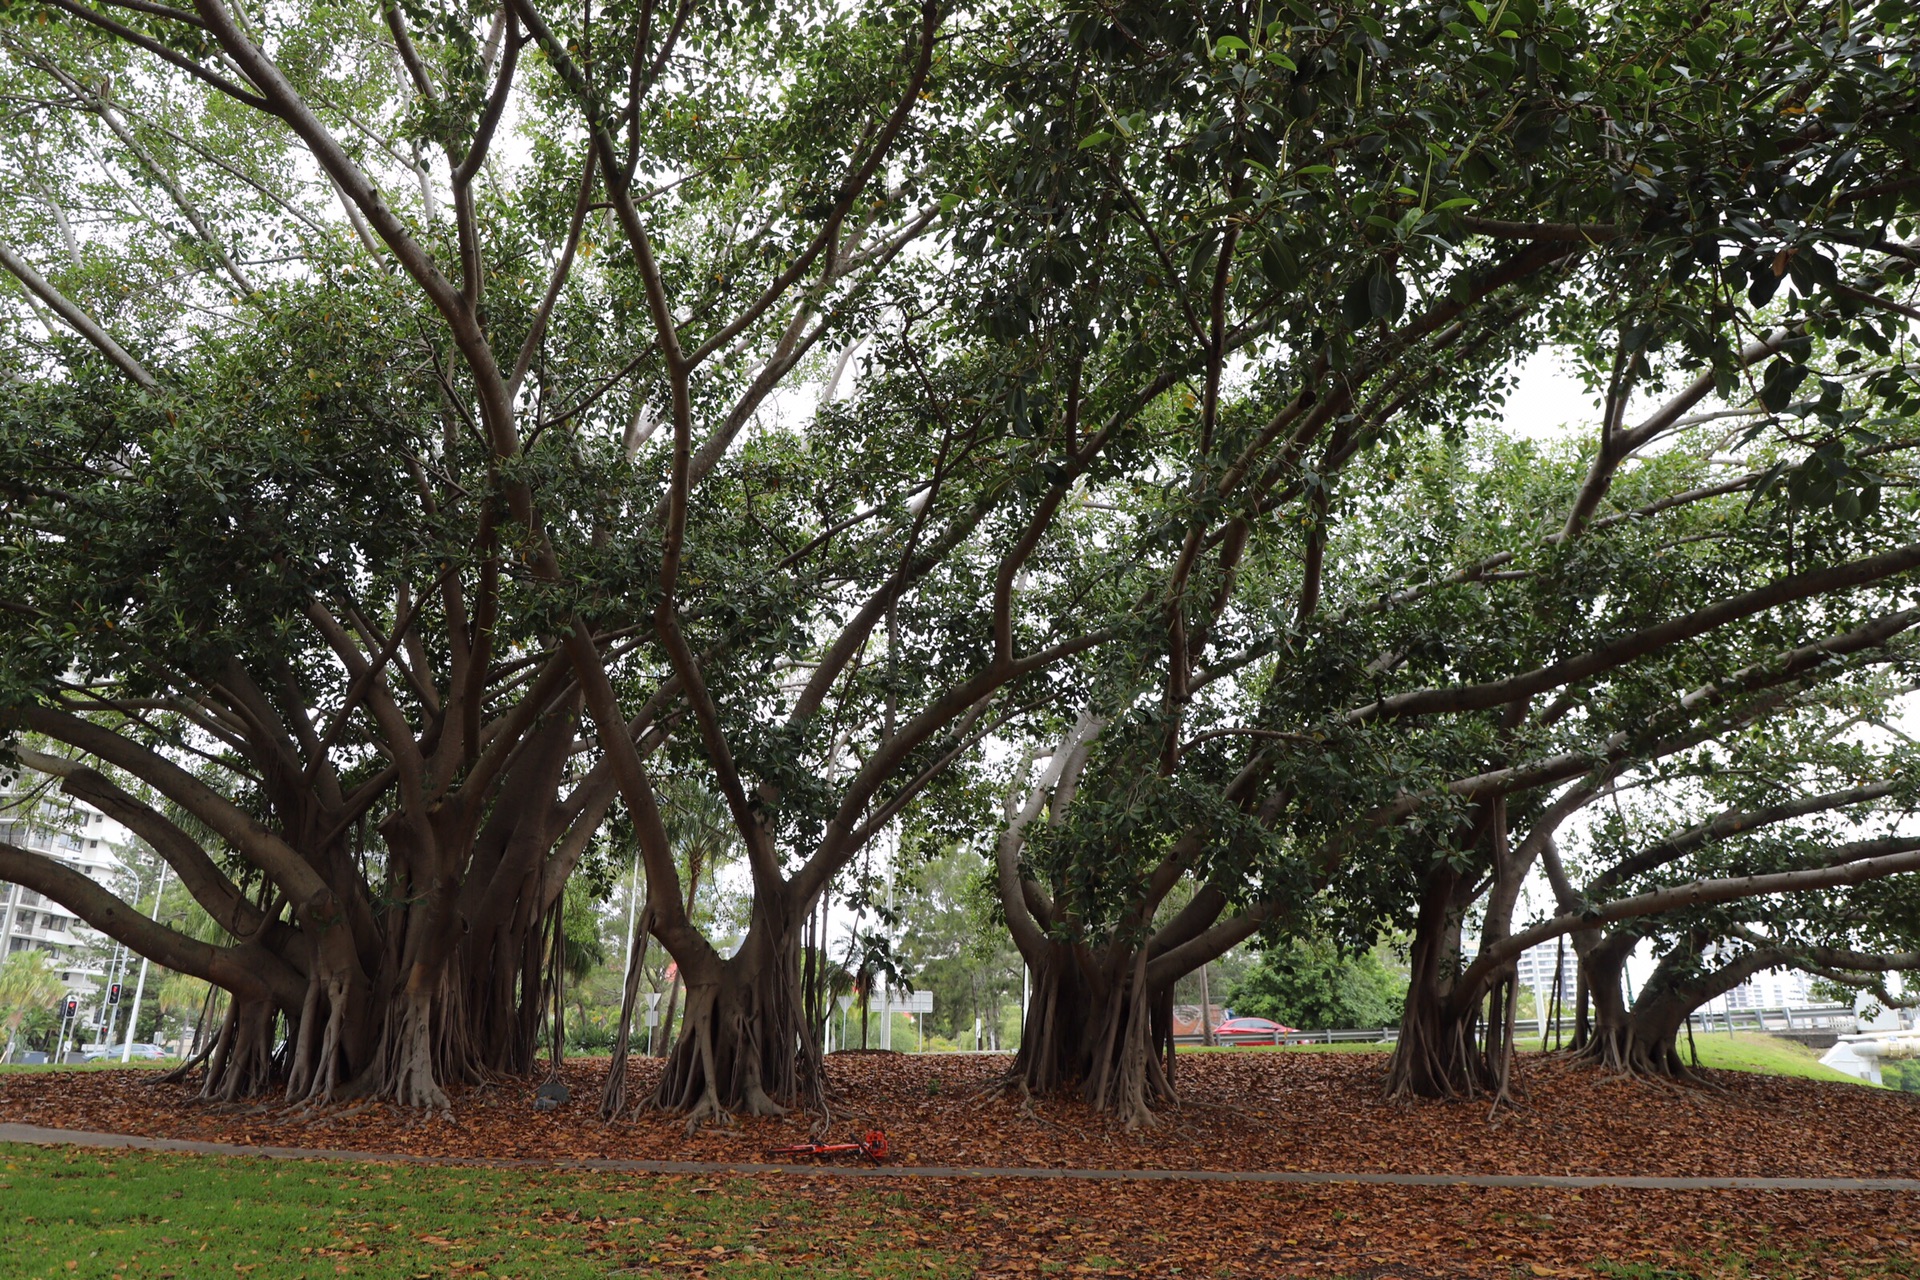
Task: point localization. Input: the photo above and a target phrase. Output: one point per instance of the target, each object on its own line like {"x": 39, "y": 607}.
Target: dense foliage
{"x": 1310, "y": 984}
{"x": 444, "y": 447}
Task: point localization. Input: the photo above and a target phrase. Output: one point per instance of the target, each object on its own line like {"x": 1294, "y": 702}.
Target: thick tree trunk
{"x": 1092, "y": 1024}
{"x": 1457, "y": 1036}
{"x": 1644, "y": 1040}
{"x": 1602, "y": 974}
{"x": 744, "y": 1045}
{"x": 1440, "y": 1052}
{"x": 473, "y": 1016}
{"x": 242, "y": 1061}
{"x": 1644, "y": 1043}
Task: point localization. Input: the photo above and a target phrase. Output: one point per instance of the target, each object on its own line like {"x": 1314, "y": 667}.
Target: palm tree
{"x": 28, "y": 982}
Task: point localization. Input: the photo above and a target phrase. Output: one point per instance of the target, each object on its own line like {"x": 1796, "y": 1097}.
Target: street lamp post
{"x": 140, "y": 989}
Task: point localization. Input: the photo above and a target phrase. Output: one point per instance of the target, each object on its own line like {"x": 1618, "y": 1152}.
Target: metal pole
{"x": 633, "y": 905}
{"x": 115, "y": 973}
{"x": 113, "y": 1010}
{"x": 6, "y": 933}
{"x": 140, "y": 989}
{"x": 123, "y": 964}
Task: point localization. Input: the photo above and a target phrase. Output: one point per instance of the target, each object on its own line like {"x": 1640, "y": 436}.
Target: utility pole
{"x": 633, "y": 905}
{"x": 140, "y": 989}
{"x": 69, "y": 1014}
{"x": 1206, "y": 1010}
{"x": 6, "y": 933}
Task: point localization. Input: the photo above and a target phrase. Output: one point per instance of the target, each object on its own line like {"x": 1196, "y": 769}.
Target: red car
{"x": 1251, "y": 1031}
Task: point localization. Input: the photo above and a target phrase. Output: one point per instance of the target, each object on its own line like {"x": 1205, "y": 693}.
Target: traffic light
{"x": 113, "y": 994}
{"x": 73, "y": 1006}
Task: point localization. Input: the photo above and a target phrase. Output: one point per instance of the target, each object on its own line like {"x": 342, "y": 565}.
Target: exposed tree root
{"x": 1112, "y": 1039}
{"x": 743, "y": 1045}
{"x": 1446, "y": 1053}
{"x": 242, "y": 1062}
{"x": 1637, "y": 1052}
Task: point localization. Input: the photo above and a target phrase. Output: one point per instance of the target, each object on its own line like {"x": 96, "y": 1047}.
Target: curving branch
{"x": 1639, "y": 644}
{"x": 82, "y": 323}
{"x": 283, "y": 864}
{"x": 248, "y": 969}
{"x": 210, "y": 887}
{"x": 1851, "y": 864}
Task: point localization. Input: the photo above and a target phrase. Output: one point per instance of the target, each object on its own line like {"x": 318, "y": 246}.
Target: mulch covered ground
{"x": 1247, "y": 1110}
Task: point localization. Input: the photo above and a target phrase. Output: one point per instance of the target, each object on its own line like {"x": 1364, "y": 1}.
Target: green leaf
{"x": 1777, "y": 386}
{"x": 1356, "y": 305}
{"x": 1095, "y": 138}
{"x": 1386, "y": 295}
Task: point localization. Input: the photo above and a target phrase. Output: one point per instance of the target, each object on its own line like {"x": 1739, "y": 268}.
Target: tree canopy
{"x": 433, "y": 433}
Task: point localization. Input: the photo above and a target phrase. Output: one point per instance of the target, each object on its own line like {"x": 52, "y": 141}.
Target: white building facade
{"x": 84, "y": 839}
{"x": 1773, "y": 989}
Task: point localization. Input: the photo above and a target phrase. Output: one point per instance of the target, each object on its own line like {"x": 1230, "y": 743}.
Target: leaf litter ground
{"x": 1240, "y": 1111}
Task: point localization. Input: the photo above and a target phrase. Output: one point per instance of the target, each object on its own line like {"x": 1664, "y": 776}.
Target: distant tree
{"x": 1311, "y": 984}
{"x": 952, "y": 946}
{"x": 29, "y": 984}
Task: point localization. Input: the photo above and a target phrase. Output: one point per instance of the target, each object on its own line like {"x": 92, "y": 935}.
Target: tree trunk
{"x": 744, "y": 1042}
{"x": 1603, "y": 1014}
{"x": 613, "y": 1096}
{"x": 453, "y": 1016}
{"x": 1089, "y": 1025}
{"x": 1456, "y": 1039}
{"x": 1439, "y": 1054}
{"x": 1644, "y": 1041}
{"x": 242, "y": 1061}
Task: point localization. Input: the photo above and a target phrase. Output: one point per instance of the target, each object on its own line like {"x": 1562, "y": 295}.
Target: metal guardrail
{"x": 1380, "y": 1035}
{"x": 1836, "y": 1017}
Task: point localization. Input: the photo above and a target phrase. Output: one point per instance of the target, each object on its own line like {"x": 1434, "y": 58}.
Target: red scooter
{"x": 872, "y": 1146}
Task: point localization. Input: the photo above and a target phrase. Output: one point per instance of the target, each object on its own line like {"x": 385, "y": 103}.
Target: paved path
{"x": 83, "y": 1138}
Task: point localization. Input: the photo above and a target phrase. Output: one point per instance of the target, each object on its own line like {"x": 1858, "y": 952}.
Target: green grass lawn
{"x": 1359, "y": 1047}
{"x": 78, "y": 1214}
{"x": 151, "y": 1064}
{"x": 133, "y": 1215}
{"x": 1767, "y": 1055}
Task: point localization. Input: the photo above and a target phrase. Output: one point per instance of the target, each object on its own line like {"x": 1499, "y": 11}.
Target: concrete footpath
{"x": 36, "y": 1134}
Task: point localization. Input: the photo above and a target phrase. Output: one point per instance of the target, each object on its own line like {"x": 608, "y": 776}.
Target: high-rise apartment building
{"x": 83, "y": 838}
